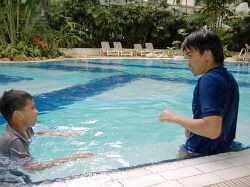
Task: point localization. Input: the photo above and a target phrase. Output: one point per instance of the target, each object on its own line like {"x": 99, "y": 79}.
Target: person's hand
{"x": 167, "y": 115}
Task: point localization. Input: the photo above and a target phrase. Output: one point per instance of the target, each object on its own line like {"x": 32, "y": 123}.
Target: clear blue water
{"x": 114, "y": 105}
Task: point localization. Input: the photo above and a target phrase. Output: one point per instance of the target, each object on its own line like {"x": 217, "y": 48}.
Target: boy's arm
{"x": 209, "y": 127}
{"x": 31, "y": 166}
{"x": 64, "y": 134}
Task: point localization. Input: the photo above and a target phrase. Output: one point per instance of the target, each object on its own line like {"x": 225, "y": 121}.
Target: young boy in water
{"x": 18, "y": 109}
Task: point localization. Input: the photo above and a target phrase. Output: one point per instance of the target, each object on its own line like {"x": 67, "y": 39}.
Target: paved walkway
{"x": 226, "y": 169}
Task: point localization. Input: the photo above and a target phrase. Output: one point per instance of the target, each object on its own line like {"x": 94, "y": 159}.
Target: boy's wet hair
{"x": 11, "y": 101}
{"x": 205, "y": 40}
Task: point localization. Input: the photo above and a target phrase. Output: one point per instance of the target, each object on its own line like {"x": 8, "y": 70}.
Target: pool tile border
{"x": 202, "y": 171}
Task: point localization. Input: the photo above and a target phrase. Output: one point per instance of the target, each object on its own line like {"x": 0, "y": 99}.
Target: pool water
{"x": 114, "y": 105}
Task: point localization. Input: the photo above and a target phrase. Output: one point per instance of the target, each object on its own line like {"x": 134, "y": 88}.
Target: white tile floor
{"x": 194, "y": 172}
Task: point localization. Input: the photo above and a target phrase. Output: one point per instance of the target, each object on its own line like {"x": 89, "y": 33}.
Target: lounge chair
{"x": 150, "y": 47}
{"x": 122, "y": 51}
{"x": 106, "y": 50}
{"x": 139, "y": 50}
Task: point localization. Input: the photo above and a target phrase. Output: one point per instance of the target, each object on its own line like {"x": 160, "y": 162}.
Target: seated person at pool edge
{"x": 215, "y": 100}
{"x": 18, "y": 109}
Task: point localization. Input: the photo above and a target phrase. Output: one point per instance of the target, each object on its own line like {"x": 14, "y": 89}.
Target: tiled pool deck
{"x": 226, "y": 169}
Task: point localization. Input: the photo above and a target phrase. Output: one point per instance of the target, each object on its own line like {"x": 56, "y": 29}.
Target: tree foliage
{"x": 85, "y": 23}
{"x": 20, "y": 22}
{"x": 216, "y": 12}
{"x": 127, "y": 23}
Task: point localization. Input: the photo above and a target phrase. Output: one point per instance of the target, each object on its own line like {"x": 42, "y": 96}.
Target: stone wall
{"x": 80, "y": 52}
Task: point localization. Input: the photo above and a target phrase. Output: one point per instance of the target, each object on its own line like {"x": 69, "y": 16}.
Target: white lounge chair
{"x": 150, "y": 47}
{"x": 139, "y": 50}
{"x": 106, "y": 50}
{"x": 122, "y": 51}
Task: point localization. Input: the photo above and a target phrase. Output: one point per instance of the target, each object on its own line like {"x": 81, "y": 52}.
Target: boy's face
{"x": 195, "y": 61}
{"x": 29, "y": 113}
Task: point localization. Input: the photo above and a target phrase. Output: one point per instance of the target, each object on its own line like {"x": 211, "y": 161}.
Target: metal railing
{"x": 244, "y": 54}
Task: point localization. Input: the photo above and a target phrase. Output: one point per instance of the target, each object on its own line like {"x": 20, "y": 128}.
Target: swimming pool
{"x": 114, "y": 105}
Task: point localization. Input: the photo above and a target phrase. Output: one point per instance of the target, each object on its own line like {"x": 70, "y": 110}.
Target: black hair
{"x": 205, "y": 40}
{"x": 11, "y": 101}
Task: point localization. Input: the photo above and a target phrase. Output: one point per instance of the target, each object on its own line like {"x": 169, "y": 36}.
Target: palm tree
{"x": 215, "y": 11}
{"x": 19, "y": 20}
{"x": 23, "y": 31}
